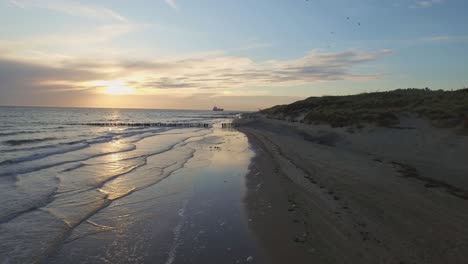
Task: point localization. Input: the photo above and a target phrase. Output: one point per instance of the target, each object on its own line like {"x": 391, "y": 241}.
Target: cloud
{"x": 218, "y": 72}
{"x": 27, "y": 84}
{"x": 426, "y": 3}
{"x": 72, "y": 8}
{"x": 172, "y": 4}
{"x": 57, "y": 47}
{"x": 35, "y": 84}
{"x": 230, "y": 72}
{"x": 19, "y": 75}
{"x": 235, "y": 82}
{"x": 435, "y": 39}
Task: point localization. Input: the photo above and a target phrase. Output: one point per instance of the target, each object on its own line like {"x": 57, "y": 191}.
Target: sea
{"x": 70, "y": 177}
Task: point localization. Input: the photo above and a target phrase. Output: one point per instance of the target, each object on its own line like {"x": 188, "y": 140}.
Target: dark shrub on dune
{"x": 443, "y": 108}
{"x": 387, "y": 119}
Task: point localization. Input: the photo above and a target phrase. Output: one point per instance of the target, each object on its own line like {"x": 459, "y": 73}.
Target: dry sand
{"x": 318, "y": 194}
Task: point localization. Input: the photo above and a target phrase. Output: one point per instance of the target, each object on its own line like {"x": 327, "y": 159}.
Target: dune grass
{"x": 443, "y": 108}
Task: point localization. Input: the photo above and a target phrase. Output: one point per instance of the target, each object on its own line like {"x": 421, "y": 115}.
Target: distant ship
{"x": 217, "y": 109}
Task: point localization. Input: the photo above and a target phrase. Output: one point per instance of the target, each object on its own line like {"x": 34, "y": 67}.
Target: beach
{"x": 258, "y": 190}
{"x": 368, "y": 195}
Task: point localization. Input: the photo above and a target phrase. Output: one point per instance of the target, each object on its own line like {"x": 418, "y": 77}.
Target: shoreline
{"x": 316, "y": 193}
{"x": 197, "y": 215}
{"x": 278, "y": 232}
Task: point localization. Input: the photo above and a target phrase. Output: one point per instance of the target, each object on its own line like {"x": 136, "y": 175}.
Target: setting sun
{"x": 114, "y": 87}
{"x": 119, "y": 90}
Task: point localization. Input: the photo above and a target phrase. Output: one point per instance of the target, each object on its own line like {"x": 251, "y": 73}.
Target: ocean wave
{"x": 18, "y": 142}
{"x": 88, "y": 141}
{"x": 16, "y": 170}
{"x": 43, "y": 154}
{"x": 14, "y": 133}
{"x": 85, "y": 188}
{"x": 44, "y": 151}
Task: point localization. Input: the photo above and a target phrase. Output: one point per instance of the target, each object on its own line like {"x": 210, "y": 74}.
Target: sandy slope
{"x": 379, "y": 195}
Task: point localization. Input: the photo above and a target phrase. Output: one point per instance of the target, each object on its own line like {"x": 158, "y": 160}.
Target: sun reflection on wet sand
{"x": 209, "y": 186}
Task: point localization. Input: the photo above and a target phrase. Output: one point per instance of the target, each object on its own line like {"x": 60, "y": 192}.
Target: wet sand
{"x": 196, "y": 215}
{"x": 318, "y": 194}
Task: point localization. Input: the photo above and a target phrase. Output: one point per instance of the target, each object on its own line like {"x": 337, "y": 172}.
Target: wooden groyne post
{"x": 159, "y": 124}
{"x": 228, "y": 125}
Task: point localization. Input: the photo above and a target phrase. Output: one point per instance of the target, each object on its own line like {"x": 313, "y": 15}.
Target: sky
{"x": 236, "y": 54}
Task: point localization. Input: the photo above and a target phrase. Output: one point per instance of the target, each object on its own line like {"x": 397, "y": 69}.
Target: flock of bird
{"x": 333, "y": 33}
